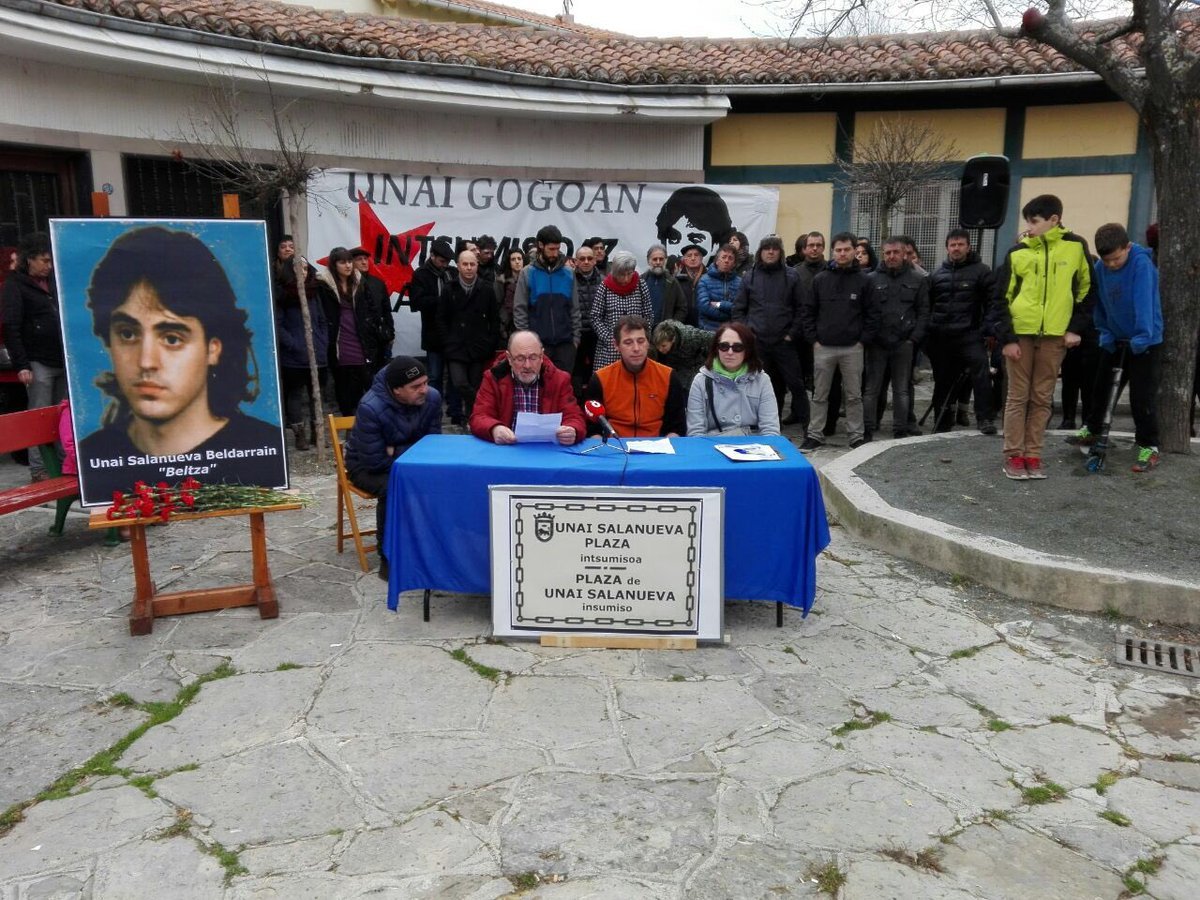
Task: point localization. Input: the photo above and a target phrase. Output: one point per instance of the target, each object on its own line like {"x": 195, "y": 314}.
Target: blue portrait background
{"x": 241, "y": 249}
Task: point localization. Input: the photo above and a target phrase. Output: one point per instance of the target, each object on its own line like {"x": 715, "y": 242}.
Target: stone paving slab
{"x": 291, "y": 792}
{"x": 631, "y": 826}
{"x": 875, "y": 879}
{"x": 1178, "y": 877}
{"x": 862, "y": 811}
{"x": 69, "y": 832}
{"x": 1076, "y": 823}
{"x": 47, "y": 729}
{"x": 1002, "y": 862}
{"x": 175, "y": 868}
{"x": 350, "y": 754}
{"x": 950, "y": 769}
{"x": 1065, "y": 754}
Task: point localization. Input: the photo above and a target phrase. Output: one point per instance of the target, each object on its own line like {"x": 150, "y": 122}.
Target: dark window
{"x": 157, "y": 187}
{"x": 35, "y": 186}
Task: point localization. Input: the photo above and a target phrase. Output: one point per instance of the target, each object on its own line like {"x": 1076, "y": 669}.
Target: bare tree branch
{"x": 839, "y": 18}
{"x": 898, "y": 156}
{"x": 218, "y": 148}
{"x": 993, "y": 14}
{"x": 1128, "y": 28}
{"x": 1054, "y": 31}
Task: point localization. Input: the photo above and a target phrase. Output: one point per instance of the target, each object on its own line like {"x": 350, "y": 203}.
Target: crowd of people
{"x": 689, "y": 346}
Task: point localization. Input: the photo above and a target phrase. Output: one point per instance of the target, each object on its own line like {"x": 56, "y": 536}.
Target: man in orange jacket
{"x": 642, "y": 397}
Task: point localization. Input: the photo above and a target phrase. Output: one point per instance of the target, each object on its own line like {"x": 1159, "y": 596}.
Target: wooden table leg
{"x": 141, "y": 617}
{"x": 268, "y": 606}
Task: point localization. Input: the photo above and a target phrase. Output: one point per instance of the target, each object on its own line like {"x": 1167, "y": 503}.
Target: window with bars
{"x": 36, "y": 185}
{"x": 157, "y": 187}
{"x": 925, "y": 216}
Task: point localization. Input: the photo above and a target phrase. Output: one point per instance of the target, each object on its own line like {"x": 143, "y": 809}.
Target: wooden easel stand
{"x": 148, "y": 604}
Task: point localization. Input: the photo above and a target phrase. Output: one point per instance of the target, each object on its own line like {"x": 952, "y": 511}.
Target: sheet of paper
{"x": 537, "y": 428}
{"x": 748, "y": 452}
{"x": 658, "y": 445}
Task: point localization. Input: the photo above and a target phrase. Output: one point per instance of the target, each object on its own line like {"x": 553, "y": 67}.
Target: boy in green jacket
{"x": 1043, "y": 304}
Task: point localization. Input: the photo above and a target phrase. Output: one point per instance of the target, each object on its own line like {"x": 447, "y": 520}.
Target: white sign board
{"x": 605, "y": 561}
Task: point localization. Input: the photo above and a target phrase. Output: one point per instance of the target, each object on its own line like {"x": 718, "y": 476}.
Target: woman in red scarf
{"x": 622, "y": 293}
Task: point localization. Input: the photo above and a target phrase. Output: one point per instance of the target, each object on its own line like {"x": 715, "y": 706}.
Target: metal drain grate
{"x": 1159, "y": 656}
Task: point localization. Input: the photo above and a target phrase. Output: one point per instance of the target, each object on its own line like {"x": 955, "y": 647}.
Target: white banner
{"x": 397, "y": 216}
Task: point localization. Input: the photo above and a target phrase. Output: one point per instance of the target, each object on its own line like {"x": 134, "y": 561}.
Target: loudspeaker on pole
{"x": 983, "y": 198}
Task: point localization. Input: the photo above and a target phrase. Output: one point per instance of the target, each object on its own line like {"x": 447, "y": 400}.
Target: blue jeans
{"x": 48, "y": 388}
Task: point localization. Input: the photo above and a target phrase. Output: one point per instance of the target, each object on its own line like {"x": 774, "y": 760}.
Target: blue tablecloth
{"x": 437, "y": 509}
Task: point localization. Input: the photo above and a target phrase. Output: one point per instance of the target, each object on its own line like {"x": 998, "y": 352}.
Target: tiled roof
{"x": 608, "y": 58}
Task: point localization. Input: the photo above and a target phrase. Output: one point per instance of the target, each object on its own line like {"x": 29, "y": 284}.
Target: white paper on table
{"x": 659, "y": 445}
{"x": 537, "y": 428}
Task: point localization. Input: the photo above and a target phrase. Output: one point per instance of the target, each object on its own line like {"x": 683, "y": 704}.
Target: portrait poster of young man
{"x": 169, "y": 340}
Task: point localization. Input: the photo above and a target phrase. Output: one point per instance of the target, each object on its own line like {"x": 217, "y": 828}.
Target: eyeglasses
{"x": 726, "y": 347}
{"x": 531, "y": 358}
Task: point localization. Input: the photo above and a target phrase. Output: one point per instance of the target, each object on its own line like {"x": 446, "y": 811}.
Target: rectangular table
{"x": 437, "y": 508}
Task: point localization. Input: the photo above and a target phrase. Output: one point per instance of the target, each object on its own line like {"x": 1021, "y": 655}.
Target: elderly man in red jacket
{"x": 526, "y": 381}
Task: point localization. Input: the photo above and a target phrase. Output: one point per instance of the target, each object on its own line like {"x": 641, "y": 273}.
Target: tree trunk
{"x": 293, "y": 204}
{"x": 1175, "y": 139}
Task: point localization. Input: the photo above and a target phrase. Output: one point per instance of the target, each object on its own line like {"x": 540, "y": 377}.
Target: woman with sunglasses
{"x": 732, "y": 394}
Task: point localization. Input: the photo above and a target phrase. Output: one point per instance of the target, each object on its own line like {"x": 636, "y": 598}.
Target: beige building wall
{"x": 803, "y": 208}
{"x": 768, "y": 139}
{"x": 1083, "y": 129}
{"x": 1089, "y": 201}
{"x": 969, "y": 131}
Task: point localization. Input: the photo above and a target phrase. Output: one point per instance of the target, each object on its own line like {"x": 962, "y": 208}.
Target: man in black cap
{"x": 691, "y": 270}
{"x": 769, "y": 302}
{"x": 430, "y": 283}
{"x": 398, "y": 410}
{"x": 377, "y": 298}
{"x": 487, "y": 258}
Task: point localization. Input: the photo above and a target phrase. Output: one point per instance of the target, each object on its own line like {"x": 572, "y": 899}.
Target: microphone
{"x": 594, "y": 412}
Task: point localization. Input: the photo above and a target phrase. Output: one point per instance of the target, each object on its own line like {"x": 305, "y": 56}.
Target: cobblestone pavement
{"x": 916, "y": 737}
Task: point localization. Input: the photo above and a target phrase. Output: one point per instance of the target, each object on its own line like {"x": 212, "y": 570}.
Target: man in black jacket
{"x": 487, "y": 259}
{"x": 812, "y": 261}
{"x": 961, "y": 290}
{"x": 900, "y": 298}
{"x": 691, "y": 270}
{"x": 587, "y": 281}
{"x": 838, "y": 320}
{"x": 430, "y": 283}
{"x": 769, "y": 302}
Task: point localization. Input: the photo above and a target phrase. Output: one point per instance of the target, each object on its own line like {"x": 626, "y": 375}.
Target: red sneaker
{"x": 1014, "y": 468}
{"x": 1147, "y": 459}
{"x": 1033, "y": 468}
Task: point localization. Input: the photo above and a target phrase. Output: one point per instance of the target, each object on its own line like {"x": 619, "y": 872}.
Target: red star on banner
{"x": 391, "y": 255}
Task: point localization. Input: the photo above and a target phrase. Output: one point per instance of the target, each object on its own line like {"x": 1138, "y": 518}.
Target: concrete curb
{"x": 1012, "y": 569}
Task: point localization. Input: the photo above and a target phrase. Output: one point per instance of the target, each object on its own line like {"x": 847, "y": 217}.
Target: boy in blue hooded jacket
{"x": 1128, "y": 315}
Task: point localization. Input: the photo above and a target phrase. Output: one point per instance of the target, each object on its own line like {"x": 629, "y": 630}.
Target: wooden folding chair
{"x": 348, "y": 494}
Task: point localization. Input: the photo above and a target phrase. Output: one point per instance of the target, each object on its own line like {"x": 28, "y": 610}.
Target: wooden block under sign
{"x": 618, "y": 642}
